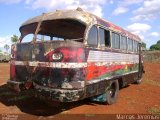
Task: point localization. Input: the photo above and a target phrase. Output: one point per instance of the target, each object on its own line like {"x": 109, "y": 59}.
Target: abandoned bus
{"x": 78, "y": 56}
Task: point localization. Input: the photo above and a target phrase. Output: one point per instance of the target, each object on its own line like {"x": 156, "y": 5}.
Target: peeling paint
{"x": 65, "y": 68}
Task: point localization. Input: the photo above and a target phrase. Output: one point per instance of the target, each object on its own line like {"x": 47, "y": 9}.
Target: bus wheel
{"x": 112, "y": 92}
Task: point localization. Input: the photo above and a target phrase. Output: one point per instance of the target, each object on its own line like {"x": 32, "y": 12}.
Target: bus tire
{"x": 112, "y": 92}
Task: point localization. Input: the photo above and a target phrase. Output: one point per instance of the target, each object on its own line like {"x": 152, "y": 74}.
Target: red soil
{"x": 134, "y": 99}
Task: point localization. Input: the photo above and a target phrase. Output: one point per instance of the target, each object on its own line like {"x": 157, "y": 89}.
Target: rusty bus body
{"x": 86, "y": 57}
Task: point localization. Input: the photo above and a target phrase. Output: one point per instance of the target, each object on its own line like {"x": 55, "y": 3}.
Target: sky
{"x": 141, "y": 17}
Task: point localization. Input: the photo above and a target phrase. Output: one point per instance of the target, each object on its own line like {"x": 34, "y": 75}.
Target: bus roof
{"x": 83, "y": 17}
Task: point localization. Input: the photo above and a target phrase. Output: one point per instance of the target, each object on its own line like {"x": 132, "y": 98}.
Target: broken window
{"x": 104, "y": 36}
{"x": 61, "y": 29}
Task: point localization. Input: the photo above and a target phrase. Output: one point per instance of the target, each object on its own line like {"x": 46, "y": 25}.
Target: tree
{"x": 6, "y": 47}
{"x": 158, "y": 42}
{"x": 14, "y": 39}
{"x": 155, "y": 46}
{"x": 144, "y": 45}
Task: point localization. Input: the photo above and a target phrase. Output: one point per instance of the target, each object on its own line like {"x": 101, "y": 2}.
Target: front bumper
{"x": 59, "y": 95}
{"x": 46, "y": 93}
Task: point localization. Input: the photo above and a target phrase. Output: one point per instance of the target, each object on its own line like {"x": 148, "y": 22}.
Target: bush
{"x": 155, "y": 46}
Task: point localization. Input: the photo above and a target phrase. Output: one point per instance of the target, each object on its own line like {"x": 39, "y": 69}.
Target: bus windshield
{"x": 62, "y": 29}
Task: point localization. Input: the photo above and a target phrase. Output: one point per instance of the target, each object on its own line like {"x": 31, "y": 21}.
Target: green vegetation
{"x": 154, "y": 110}
{"x": 155, "y": 46}
{"x": 6, "y": 47}
{"x": 151, "y": 82}
{"x": 144, "y": 45}
{"x": 14, "y": 39}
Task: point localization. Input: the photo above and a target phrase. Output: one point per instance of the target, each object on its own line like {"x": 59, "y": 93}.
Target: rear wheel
{"x": 112, "y": 92}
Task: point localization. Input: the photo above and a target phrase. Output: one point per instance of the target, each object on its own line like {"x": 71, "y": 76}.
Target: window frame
{"x": 105, "y": 40}
{"x": 95, "y": 45}
{"x": 135, "y": 46}
{"x": 115, "y": 33}
{"x": 125, "y": 49}
{"x": 128, "y": 45}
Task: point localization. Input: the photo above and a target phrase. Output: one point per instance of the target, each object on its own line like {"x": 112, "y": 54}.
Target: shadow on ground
{"x": 27, "y": 103}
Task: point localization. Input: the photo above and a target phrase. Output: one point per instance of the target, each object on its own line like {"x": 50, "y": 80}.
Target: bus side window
{"x": 123, "y": 43}
{"x": 115, "y": 40}
{"x": 104, "y": 36}
{"x": 135, "y": 46}
{"x": 93, "y": 36}
{"x": 130, "y": 45}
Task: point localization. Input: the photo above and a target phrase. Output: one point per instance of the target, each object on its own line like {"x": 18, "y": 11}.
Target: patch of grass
{"x": 151, "y": 82}
{"x": 152, "y": 56}
{"x": 154, "y": 110}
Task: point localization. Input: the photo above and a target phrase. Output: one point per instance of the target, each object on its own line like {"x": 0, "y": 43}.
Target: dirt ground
{"x": 133, "y": 99}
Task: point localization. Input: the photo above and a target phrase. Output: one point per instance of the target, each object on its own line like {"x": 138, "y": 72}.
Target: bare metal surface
{"x": 82, "y": 16}
{"x": 66, "y": 14}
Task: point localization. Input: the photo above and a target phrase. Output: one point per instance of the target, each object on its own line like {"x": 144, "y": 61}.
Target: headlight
{"x": 57, "y": 56}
